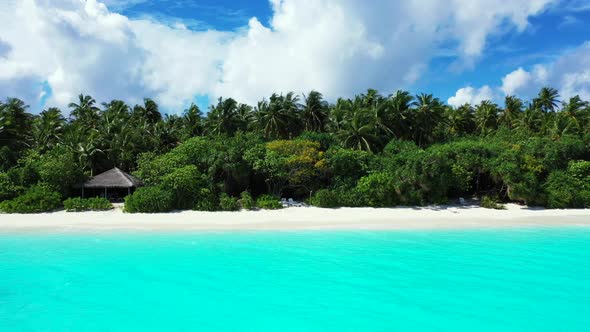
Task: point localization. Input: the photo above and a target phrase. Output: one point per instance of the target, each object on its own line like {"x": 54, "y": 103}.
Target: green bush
{"x": 377, "y": 190}
{"x": 38, "y": 198}
{"x": 350, "y": 197}
{"x": 228, "y": 203}
{"x": 77, "y": 204}
{"x": 8, "y": 190}
{"x": 570, "y": 188}
{"x": 326, "y": 198}
{"x": 59, "y": 169}
{"x": 326, "y": 140}
{"x": 246, "y": 201}
{"x": 187, "y": 184}
{"x": 24, "y": 175}
{"x": 396, "y": 146}
{"x": 208, "y": 201}
{"x": 489, "y": 202}
{"x": 268, "y": 202}
{"x": 149, "y": 200}
{"x": 348, "y": 166}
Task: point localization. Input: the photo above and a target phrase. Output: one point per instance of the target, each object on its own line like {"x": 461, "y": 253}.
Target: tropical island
{"x": 371, "y": 151}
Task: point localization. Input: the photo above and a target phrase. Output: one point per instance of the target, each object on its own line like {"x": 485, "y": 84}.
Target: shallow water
{"x": 509, "y": 280}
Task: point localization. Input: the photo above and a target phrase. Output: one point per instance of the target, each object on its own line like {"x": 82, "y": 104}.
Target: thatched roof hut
{"x": 112, "y": 179}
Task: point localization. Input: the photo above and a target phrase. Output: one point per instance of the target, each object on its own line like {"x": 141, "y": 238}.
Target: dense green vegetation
{"x": 150, "y": 200}
{"x": 491, "y": 203}
{"x": 268, "y": 202}
{"x": 247, "y": 201}
{"x": 228, "y": 203}
{"x": 371, "y": 150}
{"x": 38, "y": 198}
{"x": 77, "y": 204}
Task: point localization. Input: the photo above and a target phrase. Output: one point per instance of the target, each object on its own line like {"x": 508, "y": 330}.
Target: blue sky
{"x": 220, "y": 14}
{"x": 180, "y": 51}
{"x": 549, "y": 35}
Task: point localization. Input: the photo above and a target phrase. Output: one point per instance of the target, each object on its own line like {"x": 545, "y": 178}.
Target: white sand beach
{"x": 310, "y": 218}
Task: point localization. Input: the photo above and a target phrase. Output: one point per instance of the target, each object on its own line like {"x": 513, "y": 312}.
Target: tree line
{"x": 370, "y": 150}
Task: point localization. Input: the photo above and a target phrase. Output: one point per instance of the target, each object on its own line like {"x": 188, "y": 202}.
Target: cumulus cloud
{"x": 74, "y": 46}
{"x": 515, "y": 80}
{"x": 570, "y": 74}
{"x": 470, "y": 95}
{"x": 337, "y": 47}
{"x": 178, "y": 63}
{"x": 520, "y": 81}
{"x": 302, "y": 49}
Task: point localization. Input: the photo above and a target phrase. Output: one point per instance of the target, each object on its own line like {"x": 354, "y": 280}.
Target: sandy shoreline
{"x": 410, "y": 218}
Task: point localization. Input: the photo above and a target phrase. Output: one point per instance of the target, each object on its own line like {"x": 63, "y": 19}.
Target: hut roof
{"x": 114, "y": 178}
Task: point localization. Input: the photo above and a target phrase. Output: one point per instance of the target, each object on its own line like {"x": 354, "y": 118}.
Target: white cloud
{"x": 521, "y": 82}
{"x": 470, "y": 95}
{"x": 75, "y": 46}
{"x": 337, "y": 47}
{"x": 514, "y": 81}
{"x": 303, "y": 49}
{"x": 178, "y": 63}
{"x": 570, "y": 74}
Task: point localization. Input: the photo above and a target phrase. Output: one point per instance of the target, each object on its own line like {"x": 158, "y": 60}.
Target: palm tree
{"x": 382, "y": 118}
{"x": 85, "y": 111}
{"x": 399, "y": 106}
{"x": 148, "y": 112}
{"x": 192, "y": 122}
{"x": 358, "y": 132}
{"x": 2, "y": 122}
{"x": 369, "y": 99}
{"x": 512, "y": 111}
{"x": 291, "y": 109}
{"x": 486, "y": 117}
{"x": 531, "y": 119}
{"x": 245, "y": 116}
{"x": 114, "y": 134}
{"x": 146, "y": 137}
{"x": 337, "y": 113}
{"x": 315, "y": 112}
{"x": 85, "y": 144}
{"x": 574, "y": 111}
{"x": 561, "y": 124}
{"x": 547, "y": 99}
{"x": 223, "y": 118}
{"x": 427, "y": 114}
{"x": 459, "y": 121}
{"x": 117, "y": 108}
{"x": 169, "y": 132}
{"x": 278, "y": 117}
{"x": 48, "y": 128}
{"x": 373, "y": 104}
{"x": 16, "y": 124}
{"x": 269, "y": 120}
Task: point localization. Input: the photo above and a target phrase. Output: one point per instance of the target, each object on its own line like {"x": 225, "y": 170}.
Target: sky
{"x": 178, "y": 51}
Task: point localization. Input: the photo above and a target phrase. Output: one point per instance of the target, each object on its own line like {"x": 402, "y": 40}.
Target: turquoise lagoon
{"x": 493, "y": 280}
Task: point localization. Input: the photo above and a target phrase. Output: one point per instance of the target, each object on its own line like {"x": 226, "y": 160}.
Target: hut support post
{"x": 128, "y": 191}
{"x": 105, "y": 193}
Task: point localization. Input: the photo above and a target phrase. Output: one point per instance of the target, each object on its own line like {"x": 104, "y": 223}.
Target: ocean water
{"x": 494, "y": 280}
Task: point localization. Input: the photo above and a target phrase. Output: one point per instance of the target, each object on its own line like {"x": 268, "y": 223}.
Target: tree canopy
{"x": 369, "y": 150}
